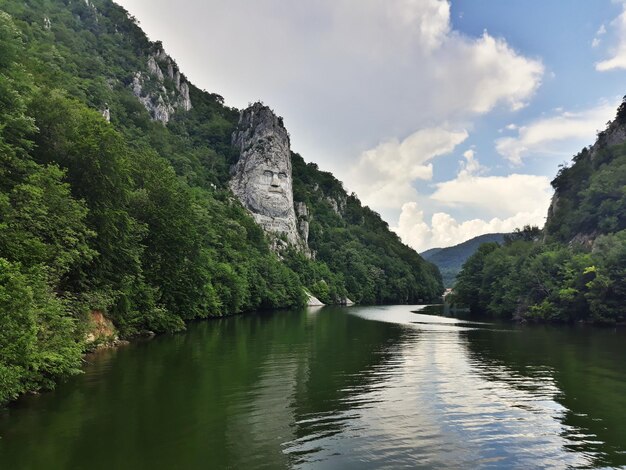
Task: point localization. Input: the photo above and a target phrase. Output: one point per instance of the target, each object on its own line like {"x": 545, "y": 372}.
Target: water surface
{"x": 359, "y": 387}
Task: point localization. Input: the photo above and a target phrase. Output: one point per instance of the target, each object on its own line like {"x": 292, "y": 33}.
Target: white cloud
{"x": 345, "y": 75}
{"x": 502, "y": 195}
{"x": 443, "y": 230}
{"x": 383, "y": 176}
{"x": 597, "y": 40}
{"x": 517, "y": 200}
{"x": 618, "y": 53}
{"x": 561, "y": 134}
{"x": 349, "y": 76}
{"x": 471, "y": 166}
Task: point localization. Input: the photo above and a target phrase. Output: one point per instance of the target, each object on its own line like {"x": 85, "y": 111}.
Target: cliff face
{"x": 163, "y": 90}
{"x": 262, "y": 177}
{"x": 588, "y": 194}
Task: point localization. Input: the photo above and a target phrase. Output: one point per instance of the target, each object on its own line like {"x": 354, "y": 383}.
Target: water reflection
{"x": 381, "y": 387}
{"x": 583, "y": 367}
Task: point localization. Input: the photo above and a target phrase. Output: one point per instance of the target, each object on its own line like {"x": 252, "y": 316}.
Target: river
{"x": 335, "y": 388}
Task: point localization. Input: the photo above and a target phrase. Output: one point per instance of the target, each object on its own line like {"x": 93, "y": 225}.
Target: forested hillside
{"x": 132, "y": 220}
{"x": 375, "y": 266}
{"x": 576, "y": 269}
{"x": 450, "y": 260}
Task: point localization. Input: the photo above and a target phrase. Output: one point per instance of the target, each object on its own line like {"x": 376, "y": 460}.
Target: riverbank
{"x": 365, "y": 387}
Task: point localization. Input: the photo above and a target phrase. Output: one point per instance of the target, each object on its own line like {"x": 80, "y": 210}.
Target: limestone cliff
{"x": 262, "y": 177}
{"x": 565, "y": 221}
{"x": 161, "y": 93}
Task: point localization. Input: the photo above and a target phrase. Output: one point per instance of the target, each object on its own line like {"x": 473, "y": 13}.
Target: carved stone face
{"x": 267, "y": 188}
{"x": 261, "y": 178}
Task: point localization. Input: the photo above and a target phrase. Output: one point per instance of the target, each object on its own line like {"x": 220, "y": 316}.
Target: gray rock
{"x": 614, "y": 134}
{"x": 302, "y": 211}
{"x": 338, "y": 205}
{"x": 184, "y": 99}
{"x": 161, "y": 104}
{"x": 333, "y": 204}
{"x": 313, "y": 301}
{"x": 303, "y": 229}
{"x": 261, "y": 178}
{"x": 162, "y": 55}
{"x": 154, "y": 68}
{"x": 106, "y": 113}
{"x": 162, "y": 110}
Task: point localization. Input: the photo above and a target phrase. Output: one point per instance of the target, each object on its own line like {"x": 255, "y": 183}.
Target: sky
{"x": 449, "y": 118}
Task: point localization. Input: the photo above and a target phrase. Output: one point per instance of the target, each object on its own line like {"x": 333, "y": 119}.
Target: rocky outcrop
{"x": 101, "y": 331}
{"x": 614, "y": 134}
{"x": 313, "y": 301}
{"x": 262, "y": 179}
{"x": 154, "y": 69}
{"x": 338, "y": 204}
{"x": 162, "y": 94}
{"x": 106, "y": 113}
{"x": 302, "y": 211}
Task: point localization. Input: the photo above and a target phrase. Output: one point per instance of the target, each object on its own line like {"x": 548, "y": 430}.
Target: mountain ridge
{"x": 450, "y": 259}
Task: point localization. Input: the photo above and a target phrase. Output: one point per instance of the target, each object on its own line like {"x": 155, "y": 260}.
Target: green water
{"x": 360, "y": 387}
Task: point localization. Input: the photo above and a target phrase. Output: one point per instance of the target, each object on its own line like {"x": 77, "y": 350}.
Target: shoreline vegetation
{"x": 574, "y": 270}
{"x": 116, "y": 217}
{"x": 114, "y": 199}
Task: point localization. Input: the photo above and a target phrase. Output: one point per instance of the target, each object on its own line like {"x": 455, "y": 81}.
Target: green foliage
{"x": 135, "y": 219}
{"x": 547, "y": 282}
{"x": 374, "y": 265}
{"x": 38, "y": 340}
{"x": 575, "y": 270}
{"x": 591, "y": 195}
{"x": 450, "y": 260}
{"x": 527, "y": 233}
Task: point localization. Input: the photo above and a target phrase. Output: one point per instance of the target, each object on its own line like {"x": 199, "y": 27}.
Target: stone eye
{"x": 267, "y": 176}
{"x": 282, "y": 175}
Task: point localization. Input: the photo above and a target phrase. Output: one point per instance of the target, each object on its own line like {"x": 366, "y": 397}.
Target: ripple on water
{"x": 383, "y": 387}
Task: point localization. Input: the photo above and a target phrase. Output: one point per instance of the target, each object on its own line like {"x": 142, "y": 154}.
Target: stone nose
{"x": 275, "y": 182}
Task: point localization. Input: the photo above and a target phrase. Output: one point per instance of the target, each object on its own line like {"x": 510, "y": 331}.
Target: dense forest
{"x": 132, "y": 220}
{"x": 575, "y": 269}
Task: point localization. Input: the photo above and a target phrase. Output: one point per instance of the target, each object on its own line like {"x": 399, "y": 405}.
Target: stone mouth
{"x": 276, "y": 190}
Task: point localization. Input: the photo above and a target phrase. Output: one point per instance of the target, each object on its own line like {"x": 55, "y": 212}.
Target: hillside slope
{"x": 578, "y": 271}
{"x": 450, "y": 260}
{"x": 115, "y": 205}
{"x": 590, "y": 195}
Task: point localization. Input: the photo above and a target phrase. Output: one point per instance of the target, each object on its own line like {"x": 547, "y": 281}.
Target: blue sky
{"x": 448, "y": 118}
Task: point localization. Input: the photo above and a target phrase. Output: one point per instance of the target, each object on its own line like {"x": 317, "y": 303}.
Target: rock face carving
{"x": 261, "y": 178}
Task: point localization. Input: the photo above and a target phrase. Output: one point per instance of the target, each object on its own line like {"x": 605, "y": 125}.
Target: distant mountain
{"x": 431, "y": 252}
{"x": 450, "y": 260}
